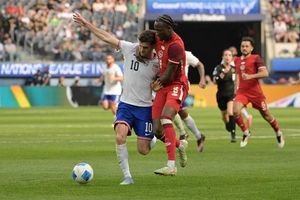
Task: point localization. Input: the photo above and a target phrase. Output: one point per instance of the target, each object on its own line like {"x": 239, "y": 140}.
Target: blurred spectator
{"x": 280, "y": 30}
{"x": 120, "y": 6}
{"x": 98, "y": 6}
{"x": 11, "y": 50}
{"x": 61, "y": 81}
{"x": 76, "y": 82}
{"x": 297, "y": 50}
{"x": 2, "y": 52}
{"x": 37, "y": 78}
{"x": 46, "y": 76}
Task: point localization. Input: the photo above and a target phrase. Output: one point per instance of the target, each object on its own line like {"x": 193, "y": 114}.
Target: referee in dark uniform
{"x": 224, "y": 77}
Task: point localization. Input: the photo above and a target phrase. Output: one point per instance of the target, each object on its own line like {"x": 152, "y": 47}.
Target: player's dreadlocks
{"x": 167, "y": 20}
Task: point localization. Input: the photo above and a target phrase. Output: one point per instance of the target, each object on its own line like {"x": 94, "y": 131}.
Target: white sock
{"x": 171, "y": 163}
{"x": 245, "y": 113}
{"x": 122, "y": 154}
{"x": 178, "y": 123}
{"x": 152, "y": 142}
{"x": 190, "y": 123}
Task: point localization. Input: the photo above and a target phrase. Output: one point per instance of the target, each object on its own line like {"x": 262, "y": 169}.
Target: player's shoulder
{"x": 126, "y": 45}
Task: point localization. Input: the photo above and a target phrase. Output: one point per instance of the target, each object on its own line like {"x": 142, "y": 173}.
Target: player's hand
{"x": 222, "y": 75}
{"x": 246, "y": 76}
{"x": 202, "y": 84}
{"x": 78, "y": 18}
{"x": 156, "y": 85}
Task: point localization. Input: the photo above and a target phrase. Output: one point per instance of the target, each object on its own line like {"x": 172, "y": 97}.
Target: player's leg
{"x": 179, "y": 125}
{"x": 122, "y": 152}
{"x": 105, "y": 102}
{"x": 143, "y": 128}
{"x": 238, "y": 104}
{"x": 122, "y": 129}
{"x": 190, "y": 123}
{"x": 230, "y": 125}
{"x": 247, "y": 116}
{"x": 265, "y": 113}
{"x": 173, "y": 98}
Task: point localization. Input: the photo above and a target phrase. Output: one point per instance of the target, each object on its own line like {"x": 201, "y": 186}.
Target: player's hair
{"x": 248, "y": 39}
{"x": 226, "y": 50}
{"x": 147, "y": 36}
{"x": 167, "y": 20}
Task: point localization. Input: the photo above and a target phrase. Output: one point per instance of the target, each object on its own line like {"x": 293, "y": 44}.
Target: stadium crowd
{"x": 286, "y": 20}
{"x": 45, "y": 27}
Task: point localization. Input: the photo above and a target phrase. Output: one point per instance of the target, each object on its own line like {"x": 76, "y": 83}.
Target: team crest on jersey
{"x": 162, "y": 47}
{"x": 160, "y": 54}
{"x": 242, "y": 67}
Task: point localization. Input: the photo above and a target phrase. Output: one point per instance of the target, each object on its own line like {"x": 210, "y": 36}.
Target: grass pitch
{"x": 40, "y": 146}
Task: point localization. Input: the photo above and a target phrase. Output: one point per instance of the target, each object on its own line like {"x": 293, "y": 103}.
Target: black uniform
{"x": 225, "y": 91}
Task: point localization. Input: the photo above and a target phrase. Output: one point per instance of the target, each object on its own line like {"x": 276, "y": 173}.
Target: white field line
{"x": 109, "y": 135}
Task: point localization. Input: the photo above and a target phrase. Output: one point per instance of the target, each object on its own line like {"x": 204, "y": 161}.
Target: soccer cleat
{"x": 166, "y": 171}
{"x": 245, "y": 139}
{"x": 200, "y": 143}
{"x": 249, "y": 121}
{"x": 182, "y": 153}
{"x": 233, "y": 138}
{"x": 280, "y": 141}
{"x": 184, "y": 137}
{"x": 127, "y": 181}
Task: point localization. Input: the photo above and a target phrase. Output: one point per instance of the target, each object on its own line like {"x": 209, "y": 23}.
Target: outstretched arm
{"x": 201, "y": 71}
{"x": 100, "y": 33}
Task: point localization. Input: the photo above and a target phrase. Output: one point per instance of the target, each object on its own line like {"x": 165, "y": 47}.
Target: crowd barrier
{"x": 28, "y": 96}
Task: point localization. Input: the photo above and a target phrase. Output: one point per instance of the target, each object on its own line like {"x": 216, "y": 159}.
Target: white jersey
{"x": 191, "y": 60}
{"x": 137, "y": 76}
{"x": 112, "y": 87}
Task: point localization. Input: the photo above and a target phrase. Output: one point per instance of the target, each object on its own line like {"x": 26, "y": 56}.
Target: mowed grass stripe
{"x": 40, "y": 146}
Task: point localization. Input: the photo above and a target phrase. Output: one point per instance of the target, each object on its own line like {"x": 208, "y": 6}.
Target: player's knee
{"x": 144, "y": 151}
{"x": 121, "y": 133}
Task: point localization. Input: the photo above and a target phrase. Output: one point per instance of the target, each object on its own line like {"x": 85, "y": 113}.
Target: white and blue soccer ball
{"x": 82, "y": 173}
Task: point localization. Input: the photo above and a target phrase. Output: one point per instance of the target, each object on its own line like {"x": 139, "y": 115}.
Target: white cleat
{"x": 280, "y": 140}
{"x": 244, "y": 141}
{"x": 127, "y": 181}
{"x": 166, "y": 171}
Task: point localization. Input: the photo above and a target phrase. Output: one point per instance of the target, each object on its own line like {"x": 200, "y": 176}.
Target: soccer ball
{"x": 82, "y": 173}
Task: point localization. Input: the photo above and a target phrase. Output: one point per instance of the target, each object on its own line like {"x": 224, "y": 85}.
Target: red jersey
{"x": 249, "y": 65}
{"x": 172, "y": 51}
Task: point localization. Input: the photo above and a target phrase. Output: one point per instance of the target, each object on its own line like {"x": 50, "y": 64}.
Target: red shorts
{"x": 172, "y": 95}
{"x": 258, "y": 102}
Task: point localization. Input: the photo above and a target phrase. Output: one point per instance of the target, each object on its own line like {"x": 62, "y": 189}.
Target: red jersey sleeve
{"x": 259, "y": 63}
{"x": 175, "y": 53}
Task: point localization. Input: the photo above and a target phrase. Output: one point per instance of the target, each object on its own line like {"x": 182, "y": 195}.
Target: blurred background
{"x": 41, "y": 46}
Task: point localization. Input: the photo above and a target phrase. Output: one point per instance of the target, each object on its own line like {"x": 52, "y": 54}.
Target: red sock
{"x": 274, "y": 124}
{"x": 170, "y": 141}
{"x": 240, "y": 122}
{"x": 177, "y": 142}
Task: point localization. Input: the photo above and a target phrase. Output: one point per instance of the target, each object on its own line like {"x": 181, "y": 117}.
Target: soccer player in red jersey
{"x": 250, "y": 68}
{"x": 168, "y": 99}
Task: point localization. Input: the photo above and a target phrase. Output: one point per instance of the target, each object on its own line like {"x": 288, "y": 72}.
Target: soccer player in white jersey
{"x": 183, "y": 114}
{"x": 134, "y": 110}
{"x": 112, "y": 76}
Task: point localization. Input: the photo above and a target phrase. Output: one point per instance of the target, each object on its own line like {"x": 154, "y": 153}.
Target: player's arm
{"x": 262, "y": 71}
{"x": 100, "y": 33}
{"x": 237, "y": 82}
{"x": 201, "y": 72}
{"x": 175, "y": 56}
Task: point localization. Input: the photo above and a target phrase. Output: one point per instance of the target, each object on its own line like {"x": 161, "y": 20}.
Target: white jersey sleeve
{"x": 191, "y": 60}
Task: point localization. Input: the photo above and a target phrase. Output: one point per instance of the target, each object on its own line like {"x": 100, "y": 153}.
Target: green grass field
{"x": 39, "y": 147}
